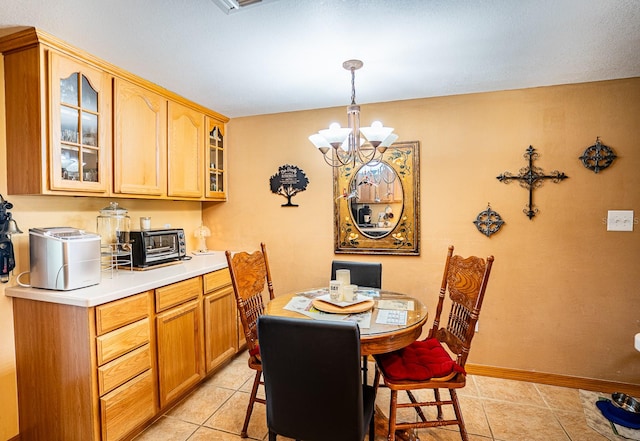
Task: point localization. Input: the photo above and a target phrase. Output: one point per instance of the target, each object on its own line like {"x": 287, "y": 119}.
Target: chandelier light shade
{"x": 346, "y": 145}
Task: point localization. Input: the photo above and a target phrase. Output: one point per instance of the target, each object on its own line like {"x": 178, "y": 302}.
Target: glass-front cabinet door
{"x": 80, "y": 121}
{"x": 215, "y": 166}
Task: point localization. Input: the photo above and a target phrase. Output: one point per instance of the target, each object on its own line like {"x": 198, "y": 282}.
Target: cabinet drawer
{"x": 125, "y": 408}
{"x": 121, "y": 341}
{"x": 124, "y": 368}
{"x": 216, "y": 280}
{"x": 122, "y": 312}
{"x": 176, "y": 293}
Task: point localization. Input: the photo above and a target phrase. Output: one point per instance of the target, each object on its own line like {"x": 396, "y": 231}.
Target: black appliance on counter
{"x": 157, "y": 246}
{"x": 364, "y": 216}
{"x": 8, "y": 226}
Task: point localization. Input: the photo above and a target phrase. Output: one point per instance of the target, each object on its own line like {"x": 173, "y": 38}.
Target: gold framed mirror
{"x": 377, "y": 205}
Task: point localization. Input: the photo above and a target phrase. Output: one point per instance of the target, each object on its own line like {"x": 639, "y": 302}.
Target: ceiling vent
{"x": 231, "y": 6}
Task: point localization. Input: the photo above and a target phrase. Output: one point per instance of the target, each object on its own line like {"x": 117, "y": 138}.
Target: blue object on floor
{"x": 618, "y": 415}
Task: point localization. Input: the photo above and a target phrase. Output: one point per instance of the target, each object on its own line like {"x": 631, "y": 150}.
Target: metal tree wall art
{"x": 531, "y": 177}
{"x": 597, "y": 157}
{"x": 288, "y": 182}
{"x": 488, "y": 221}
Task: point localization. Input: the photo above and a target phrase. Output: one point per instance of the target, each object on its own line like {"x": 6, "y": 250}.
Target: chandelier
{"x": 348, "y": 143}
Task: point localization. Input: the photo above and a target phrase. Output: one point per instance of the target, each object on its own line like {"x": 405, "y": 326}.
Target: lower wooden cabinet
{"x": 220, "y": 326}
{"x": 55, "y": 368}
{"x": 127, "y": 407}
{"x": 127, "y": 384}
{"x": 180, "y": 350}
{"x": 104, "y": 373}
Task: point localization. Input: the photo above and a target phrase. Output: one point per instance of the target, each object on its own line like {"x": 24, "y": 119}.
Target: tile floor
{"x": 494, "y": 410}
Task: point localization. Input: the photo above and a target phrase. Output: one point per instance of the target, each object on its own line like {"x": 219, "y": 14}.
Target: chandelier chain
{"x": 353, "y": 86}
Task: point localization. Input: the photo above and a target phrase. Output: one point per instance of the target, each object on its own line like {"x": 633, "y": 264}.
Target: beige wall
{"x": 563, "y": 296}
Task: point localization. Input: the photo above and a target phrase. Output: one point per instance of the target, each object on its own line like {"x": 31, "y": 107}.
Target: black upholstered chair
{"x": 311, "y": 371}
{"x": 362, "y": 273}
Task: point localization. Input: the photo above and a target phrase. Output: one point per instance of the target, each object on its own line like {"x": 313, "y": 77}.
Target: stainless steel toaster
{"x": 63, "y": 258}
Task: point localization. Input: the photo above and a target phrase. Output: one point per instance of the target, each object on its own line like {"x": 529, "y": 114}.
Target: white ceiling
{"x": 287, "y": 55}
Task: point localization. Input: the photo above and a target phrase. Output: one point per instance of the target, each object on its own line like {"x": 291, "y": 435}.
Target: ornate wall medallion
{"x": 598, "y": 156}
{"x": 488, "y": 221}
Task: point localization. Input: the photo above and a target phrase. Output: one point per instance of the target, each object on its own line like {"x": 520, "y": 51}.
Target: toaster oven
{"x": 157, "y": 246}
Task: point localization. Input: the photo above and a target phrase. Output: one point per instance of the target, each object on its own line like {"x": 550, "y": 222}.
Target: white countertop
{"x": 124, "y": 283}
{"x": 376, "y": 228}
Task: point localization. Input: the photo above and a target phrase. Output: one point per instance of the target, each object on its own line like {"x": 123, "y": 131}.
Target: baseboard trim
{"x": 553, "y": 379}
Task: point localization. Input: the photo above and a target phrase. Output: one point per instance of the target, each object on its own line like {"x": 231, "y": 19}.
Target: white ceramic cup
{"x": 349, "y": 293}
{"x": 344, "y": 275}
{"x": 145, "y": 223}
{"x": 335, "y": 290}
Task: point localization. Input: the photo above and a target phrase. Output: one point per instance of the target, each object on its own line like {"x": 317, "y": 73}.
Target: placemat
{"x": 363, "y": 306}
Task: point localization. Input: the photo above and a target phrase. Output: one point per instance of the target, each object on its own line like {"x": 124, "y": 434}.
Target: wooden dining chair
{"x": 249, "y": 274}
{"x": 426, "y": 364}
{"x": 312, "y": 380}
{"x": 362, "y": 273}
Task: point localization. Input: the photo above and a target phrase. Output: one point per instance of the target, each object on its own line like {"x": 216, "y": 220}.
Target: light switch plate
{"x": 620, "y": 220}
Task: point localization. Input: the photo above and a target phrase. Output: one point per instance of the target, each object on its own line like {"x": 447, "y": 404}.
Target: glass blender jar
{"x": 114, "y": 225}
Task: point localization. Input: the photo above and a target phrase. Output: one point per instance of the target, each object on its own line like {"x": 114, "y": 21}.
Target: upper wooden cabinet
{"x": 58, "y": 114}
{"x": 80, "y": 109}
{"x": 140, "y": 140}
{"x": 185, "y": 152}
{"x": 77, "y": 125}
{"x": 382, "y": 193}
{"x": 215, "y": 161}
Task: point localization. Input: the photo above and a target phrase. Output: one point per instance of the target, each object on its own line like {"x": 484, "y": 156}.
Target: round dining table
{"x": 377, "y": 338}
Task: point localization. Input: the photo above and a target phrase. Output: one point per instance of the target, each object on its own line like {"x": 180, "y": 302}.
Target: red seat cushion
{"x": 255, "y": 353}
{"x": 420, "y": 361}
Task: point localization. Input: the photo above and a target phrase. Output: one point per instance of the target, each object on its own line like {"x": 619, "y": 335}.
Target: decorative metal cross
{"x": 531, "y": 177}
